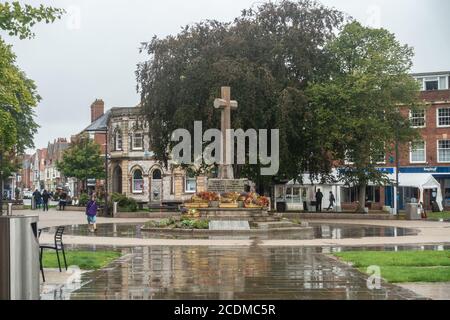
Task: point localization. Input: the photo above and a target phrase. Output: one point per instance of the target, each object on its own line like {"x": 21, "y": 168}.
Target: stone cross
{"x": 226, "y": 105}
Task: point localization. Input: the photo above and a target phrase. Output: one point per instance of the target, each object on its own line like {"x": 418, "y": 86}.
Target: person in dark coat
{"x": 332, "y": 200}
{"x": 62, "y": 201}
{"x": 319, "y": 197}
{"x": 45, "y": 199}
{"x": 37, "y": 198}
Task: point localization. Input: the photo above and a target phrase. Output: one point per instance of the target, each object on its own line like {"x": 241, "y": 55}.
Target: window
{"x": 138, "y": 141}
{"x": 379, "y": 158}
{"x": 417, "y": 152}
{"x": 417, "y": 118}
{"x": 431, "y": 85}
{"x": 444, "y": 151}
{"x": 156, "y": 174}
{"x": 138, "y": 182}
{"x": 190, "y": 184}
{"x": 443, "y": 115}
{"x": 118, "y": 140}
{"x": 351, "y": 194}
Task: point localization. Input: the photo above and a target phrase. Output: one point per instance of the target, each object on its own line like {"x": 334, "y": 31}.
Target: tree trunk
{"x": 362, "y": 198}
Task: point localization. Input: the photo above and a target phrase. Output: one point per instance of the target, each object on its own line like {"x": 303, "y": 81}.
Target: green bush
{"x": 194, "y": 224}
{"x": 164, "y": 223}
{"x": 84, "y": 199}
{"x": 125, "y": 203}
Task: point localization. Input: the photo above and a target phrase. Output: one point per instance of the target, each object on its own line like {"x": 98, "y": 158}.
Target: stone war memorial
{"x": 228, "y": 204}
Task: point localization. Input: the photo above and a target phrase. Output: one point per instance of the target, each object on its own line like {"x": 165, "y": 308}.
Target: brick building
{"x": 132, "y": 168}
{"x": 53, "y": 179}
{"x": 424, "y": 165}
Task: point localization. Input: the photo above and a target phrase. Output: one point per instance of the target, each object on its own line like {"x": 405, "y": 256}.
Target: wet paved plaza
{"x": 226, "y": 273}
{"x": 321, "y": 231}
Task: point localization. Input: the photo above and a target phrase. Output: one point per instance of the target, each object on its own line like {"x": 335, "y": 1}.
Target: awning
{"x": 422, "y": 181}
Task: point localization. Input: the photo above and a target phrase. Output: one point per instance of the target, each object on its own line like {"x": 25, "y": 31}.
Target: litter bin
{"x": 412, "y": 212}
{"x": 312, "y": 206}
{"x": 19, "y": 258}
{"x": 281, "y": 206}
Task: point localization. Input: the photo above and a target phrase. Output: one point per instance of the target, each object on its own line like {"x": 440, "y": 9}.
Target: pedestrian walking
{"x": 45, "y": 199}
{"x": 37, "y": 198}
{"x": 332, "y": 200}
{"x": 91, "y": 214}
{"x": 319, "y": 197}
{"x": 63, "y": 201}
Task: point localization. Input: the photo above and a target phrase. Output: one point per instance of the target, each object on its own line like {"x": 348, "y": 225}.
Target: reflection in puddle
{"x": 230, "y": 273}
{"x": 321, "y": 231}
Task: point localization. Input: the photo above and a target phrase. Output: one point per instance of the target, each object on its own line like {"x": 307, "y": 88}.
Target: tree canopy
{"x": 359, "y": 103}
{"x": 267, "y": 55}
{"x": 324, "y": 80}
{"x": 82, "y": 160}
{"x": 18, "y": 95}
{"x": 17, "y": 19}
{"x": 18, "y": 98}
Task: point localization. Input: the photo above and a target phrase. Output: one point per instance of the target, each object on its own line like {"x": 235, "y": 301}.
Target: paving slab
{"x": 435, "y": 291}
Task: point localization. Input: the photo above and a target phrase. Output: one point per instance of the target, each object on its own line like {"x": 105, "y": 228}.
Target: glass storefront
{"x": 291, "y": 194}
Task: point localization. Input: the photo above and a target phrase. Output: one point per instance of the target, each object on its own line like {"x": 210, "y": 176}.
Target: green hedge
{"x": 125, "y": 204}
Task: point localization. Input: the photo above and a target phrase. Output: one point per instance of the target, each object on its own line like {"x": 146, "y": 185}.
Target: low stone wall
{"x": 232, "y": 213}
{"x": 350, "y": 216}
{"x": 305, "y": 232}
{"x": 14, "y": 207}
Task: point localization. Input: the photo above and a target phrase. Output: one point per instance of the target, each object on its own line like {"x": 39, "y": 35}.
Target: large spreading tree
{"x": 359, "y": 102}
{"x": 18, "y": 95}
{"x": 268, "y": 56}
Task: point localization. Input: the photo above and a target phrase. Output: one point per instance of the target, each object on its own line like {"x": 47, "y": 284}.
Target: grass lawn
{"x": 438, "y": 215}
{"x": 85, "y": 260}
{"x": 403, "y": 266}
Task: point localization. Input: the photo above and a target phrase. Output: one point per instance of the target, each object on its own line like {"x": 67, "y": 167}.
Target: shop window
{"x": 295, "y": 194}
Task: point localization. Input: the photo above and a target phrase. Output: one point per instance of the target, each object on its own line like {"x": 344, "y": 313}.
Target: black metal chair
{"x": 40, "y": 258}
{"x": 59, "y": 246}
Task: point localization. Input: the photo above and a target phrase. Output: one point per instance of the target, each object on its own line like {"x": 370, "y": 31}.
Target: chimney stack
{"x": 97, "y": 109}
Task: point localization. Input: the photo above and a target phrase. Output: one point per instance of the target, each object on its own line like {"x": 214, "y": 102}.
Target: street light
{"x": 105, "y": 130}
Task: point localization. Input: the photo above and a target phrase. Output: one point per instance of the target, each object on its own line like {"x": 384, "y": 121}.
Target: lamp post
{"x": 104, "y": 129}
{"x": 397, "y": 168}
{"x": 1, "y": 183}
{"x": 106, "y": 172}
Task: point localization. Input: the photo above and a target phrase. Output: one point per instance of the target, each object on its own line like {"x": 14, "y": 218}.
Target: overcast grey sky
{"x": 92, "y": 52}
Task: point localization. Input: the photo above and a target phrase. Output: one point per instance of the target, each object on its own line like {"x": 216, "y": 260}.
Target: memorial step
{"x": 276, "y": 225}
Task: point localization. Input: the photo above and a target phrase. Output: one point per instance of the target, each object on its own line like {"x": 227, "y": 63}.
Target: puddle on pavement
{"x": 320, "y": 231}
{"x": 229, "y": 273}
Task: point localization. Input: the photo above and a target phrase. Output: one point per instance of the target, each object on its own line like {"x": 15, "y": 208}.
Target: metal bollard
{"x": 115, "y": 208}
{"x": 9, "y": 212}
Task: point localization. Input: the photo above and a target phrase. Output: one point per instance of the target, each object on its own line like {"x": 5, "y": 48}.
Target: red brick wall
{"x": 100, "y": 139}
{"x": 431, "y": 133}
